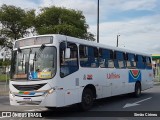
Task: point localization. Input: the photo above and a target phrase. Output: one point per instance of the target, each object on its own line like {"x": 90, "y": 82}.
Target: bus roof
{"x": 89, "y": 43}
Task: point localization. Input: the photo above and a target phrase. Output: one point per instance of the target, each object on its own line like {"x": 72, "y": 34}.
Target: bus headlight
{"x": 12, "y": 95}
{"x": 50, "y": 91}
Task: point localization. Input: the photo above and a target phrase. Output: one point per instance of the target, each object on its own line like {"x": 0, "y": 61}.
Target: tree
{"x": 4, "y": 42}
{"x": 1, "y": 61}
{"x": 15, "y": 21}
{"x": 6, "y": 63}
{"x": 57, "y": 20}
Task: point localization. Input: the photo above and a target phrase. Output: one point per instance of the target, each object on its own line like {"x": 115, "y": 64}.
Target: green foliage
{"x": 15, "y": 21}
{"x": 57, "y": 20}
{"x": 1, "y": 61}
{"x": 5, "y": 63}
{"x": 4, "y": 42}
{"x": 3, "y": 77}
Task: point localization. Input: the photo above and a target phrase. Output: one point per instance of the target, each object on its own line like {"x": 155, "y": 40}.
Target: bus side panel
{"x": 107, "y": 82}
{"x": 71, "y": 96}
{"x": 75, "y": 83}
{"x": 131, "y": 83}
{"x": 147, "y": 79}
{"x": 70, "y": 85}
{"x": 50, "y": 100}
{"x": 95, "y": 77}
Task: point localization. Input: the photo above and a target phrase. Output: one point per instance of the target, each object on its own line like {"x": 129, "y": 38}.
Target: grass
{"x": 3, "y": 77}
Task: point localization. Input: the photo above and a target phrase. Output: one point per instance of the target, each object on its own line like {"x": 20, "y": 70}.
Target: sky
{"x": 136, "y": 21}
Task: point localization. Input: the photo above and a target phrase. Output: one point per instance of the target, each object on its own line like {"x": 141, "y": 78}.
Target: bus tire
{"x": 137, "y": 92}
{"x": 87, "y": 99}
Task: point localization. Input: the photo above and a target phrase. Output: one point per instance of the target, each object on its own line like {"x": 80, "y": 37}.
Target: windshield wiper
{"x": 37, "y": 55}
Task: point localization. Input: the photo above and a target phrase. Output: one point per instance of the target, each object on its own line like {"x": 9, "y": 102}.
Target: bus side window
{"x": 148, "y": 63}
{"x": 119, "y": 60}
{"x": 144, "y": 62}
{"x": 68, "y": 65}
{"x": 131, "y": 62}
{"x": 106, "y": 58}
{"x": 88, "y": 56}
{"x": 140, "y": 62}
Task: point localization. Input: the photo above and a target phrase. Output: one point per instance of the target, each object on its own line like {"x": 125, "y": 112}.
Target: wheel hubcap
{"x": 87, "y": 99}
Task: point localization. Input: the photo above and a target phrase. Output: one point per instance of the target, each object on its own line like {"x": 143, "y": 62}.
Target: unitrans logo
{"x": 113, "y": 76}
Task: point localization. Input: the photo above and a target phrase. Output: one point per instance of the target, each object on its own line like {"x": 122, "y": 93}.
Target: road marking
{"x": 135, "y": 103}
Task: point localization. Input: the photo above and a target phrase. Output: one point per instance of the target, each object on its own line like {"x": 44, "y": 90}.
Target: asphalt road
{"x": 114, "y": 108}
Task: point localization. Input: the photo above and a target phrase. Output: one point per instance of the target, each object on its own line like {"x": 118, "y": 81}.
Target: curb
{"x": 156, "y": 83}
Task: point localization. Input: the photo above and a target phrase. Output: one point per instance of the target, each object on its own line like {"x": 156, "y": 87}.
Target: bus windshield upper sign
{"x": 34, "y": 41}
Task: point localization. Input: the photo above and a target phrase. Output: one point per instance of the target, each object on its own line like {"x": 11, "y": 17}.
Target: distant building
{"x": 156, "y": 59}
{"x": 156, "y": 65}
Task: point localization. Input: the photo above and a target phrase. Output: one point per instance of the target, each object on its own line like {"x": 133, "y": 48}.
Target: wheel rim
{"x": 87, "y": 99}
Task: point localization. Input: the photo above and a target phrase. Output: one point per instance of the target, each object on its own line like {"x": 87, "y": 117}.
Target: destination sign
{"x": 34, "y": 41}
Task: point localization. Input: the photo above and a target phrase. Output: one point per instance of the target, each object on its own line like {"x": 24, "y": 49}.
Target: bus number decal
{"x": 134, "y": 75}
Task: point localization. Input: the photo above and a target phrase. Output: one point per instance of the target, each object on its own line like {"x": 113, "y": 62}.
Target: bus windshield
{"x": 37, "y": 63}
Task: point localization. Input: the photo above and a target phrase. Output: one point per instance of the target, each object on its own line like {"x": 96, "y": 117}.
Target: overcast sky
{"x": 137, "y": 21}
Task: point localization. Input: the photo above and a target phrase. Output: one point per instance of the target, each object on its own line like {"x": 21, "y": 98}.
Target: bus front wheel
{"x": 87, "y": 100}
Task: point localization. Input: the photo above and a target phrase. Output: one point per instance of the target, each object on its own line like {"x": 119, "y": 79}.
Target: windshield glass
{"x": 33, "y": 63}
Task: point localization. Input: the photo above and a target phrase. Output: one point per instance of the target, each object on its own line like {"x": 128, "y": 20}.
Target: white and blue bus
{"x": 58, "y": 70}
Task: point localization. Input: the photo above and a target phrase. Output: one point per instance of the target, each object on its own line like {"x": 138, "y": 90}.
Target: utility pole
{"x": 98, "y": 22}
{"x": 117, "y": 39}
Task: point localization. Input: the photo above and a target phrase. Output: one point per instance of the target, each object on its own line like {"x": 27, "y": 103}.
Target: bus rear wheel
{"x": 137, "y": 92}
{"x": 87, "y": 100}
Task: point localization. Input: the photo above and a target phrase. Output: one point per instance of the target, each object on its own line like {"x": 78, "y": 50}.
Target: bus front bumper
{"x": 42, "y": 99}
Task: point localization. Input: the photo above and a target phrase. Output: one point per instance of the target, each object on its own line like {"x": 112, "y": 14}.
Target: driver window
{"x": 68, "y": 65}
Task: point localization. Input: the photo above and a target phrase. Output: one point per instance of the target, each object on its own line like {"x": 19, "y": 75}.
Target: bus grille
{"x": 29, "y": 87}
{"x": 29, "y": 102}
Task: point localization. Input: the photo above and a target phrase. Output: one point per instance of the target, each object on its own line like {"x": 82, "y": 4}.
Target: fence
{"x": 4, "y": 89}
{"x": 4, "y": 81}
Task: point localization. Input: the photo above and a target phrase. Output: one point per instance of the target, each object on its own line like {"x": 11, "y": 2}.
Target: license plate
{"x": 27, "y": 99}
